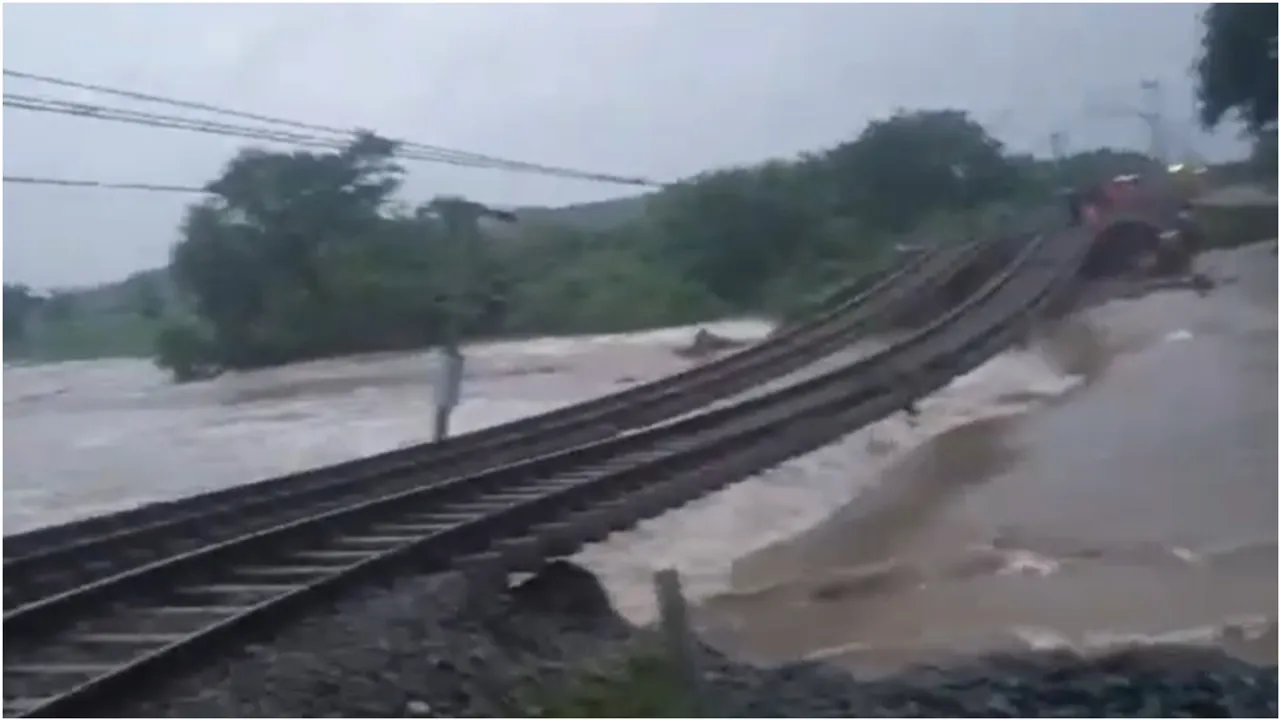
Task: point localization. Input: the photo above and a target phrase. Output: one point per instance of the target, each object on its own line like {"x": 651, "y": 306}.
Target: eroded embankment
{"x": 1140, "y": 508}
{"x": 704, "y": 538}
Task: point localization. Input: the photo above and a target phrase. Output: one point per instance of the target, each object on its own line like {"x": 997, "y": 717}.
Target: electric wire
{"x": 407, "y": 149}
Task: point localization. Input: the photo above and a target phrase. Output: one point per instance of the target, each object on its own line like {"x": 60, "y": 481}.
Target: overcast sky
{"x": 655, "y": 90}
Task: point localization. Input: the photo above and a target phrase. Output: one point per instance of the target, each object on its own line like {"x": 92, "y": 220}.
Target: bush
{"x": 186, "y": 349}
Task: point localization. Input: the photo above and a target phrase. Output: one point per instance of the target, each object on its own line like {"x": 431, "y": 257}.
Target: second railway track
{"x": 100, "y": 551}
{"x": 72, "y": 653}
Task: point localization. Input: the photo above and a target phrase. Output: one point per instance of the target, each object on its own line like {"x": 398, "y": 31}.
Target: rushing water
{"x": 1058, "y": 493}
{"x": 1141, "y": 507}
{"x": 90, "y": 437}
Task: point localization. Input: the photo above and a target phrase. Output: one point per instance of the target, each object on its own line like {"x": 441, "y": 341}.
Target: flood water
{"x": 1115, "y": 479}
{"x": 1140, "y": 507}
{"x": 85, "y": 438}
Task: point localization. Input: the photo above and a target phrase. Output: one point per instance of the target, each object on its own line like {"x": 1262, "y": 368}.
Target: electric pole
{"x": 1152, "y": 114}
{"x": 1058, "y": 145}
{"x": 460, "y": 219}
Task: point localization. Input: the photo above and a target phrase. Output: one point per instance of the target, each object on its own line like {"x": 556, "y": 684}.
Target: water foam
{"x": 97, "y": 436}
{"x": 705, "y": 537}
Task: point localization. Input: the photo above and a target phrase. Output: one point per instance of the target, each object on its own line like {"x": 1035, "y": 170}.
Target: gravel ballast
{"x": 423, "y": 648}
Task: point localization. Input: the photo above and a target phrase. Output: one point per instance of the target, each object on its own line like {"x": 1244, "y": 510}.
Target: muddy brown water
{"x": 1141, "y": 507}
{"x": 1141, "y": 504}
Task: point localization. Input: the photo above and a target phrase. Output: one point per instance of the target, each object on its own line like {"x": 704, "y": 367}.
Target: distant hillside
{"x": 597, "y": 215}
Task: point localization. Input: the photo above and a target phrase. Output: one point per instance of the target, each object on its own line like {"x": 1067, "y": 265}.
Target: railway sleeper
{"x": 381, "y": 542}
{"x": 557, "y": 538}
{"x": 300, "y": 572}
{"x": 420, "y": 529}
{"x": 21, "y": 705}
{"x": 136, "y": 638}
{"x": 332, "y": 558}
{"x": 58, "y": 669}
{"x": 239, "y": 592}
{"x": 160, "y": 619}
{"x": 45, "y": 679}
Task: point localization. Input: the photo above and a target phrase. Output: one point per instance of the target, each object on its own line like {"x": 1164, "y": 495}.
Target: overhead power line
{"x": 406, "y": 148}
{"x": 192, "y": 105}
{"x": 136, "y": 117}
{"x": 61, "y": 182}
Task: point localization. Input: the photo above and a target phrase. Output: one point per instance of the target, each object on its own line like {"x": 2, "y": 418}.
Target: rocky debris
{"x": 419, "y": 649}
{"x": 1201, "y": 283}
{"x": 706, "y": 343}
{"x": 565, "y": 589}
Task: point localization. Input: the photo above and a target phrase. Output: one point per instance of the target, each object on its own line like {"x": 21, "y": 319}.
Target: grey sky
{"x": 654, "y": 90}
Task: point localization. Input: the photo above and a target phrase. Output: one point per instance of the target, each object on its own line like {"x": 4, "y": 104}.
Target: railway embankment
{"x": 554, "y": 647}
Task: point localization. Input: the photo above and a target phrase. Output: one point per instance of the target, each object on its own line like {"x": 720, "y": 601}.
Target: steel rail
{"x": 43, "y": 573}
{"x": 507, "y": 518}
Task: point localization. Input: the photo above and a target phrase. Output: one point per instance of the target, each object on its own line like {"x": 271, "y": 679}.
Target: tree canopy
{"x": 304, "y": 254}
{"x": 1237, "y": 67}
{"x": 19, "y": 305}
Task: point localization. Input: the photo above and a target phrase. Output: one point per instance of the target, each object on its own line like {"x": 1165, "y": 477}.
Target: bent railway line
{"x": 69, "y": 653}
{"x": 97, "y": 548}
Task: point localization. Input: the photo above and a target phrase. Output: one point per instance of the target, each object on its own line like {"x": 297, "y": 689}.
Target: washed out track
{"x": 71, "y": 654}
{"x": 34, "y": 571}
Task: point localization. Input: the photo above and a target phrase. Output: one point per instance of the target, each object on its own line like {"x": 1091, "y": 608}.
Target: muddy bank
{"x": 1139, "y": 508}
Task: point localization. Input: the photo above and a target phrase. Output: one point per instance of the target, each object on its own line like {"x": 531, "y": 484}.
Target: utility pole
{"x": 461, "y": 221}
{"x": 1058, "y": 145}
{"x": 1152, "y": 114}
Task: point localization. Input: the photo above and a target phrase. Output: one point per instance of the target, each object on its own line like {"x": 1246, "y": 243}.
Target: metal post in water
{"x": 461, "y": 220}
{"x": 673, "y": 614}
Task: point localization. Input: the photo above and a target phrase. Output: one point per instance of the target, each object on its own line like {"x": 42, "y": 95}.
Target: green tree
{"x": 147, "y": 299}
{"x": 304, "y": 254}
{"x": 263, "y": 260}
{"x": 59, "y": 307}
{"x": 917, "y": 164}
{"x": 19, "y": 306}
{"x": 1236, "y": 70}
{"x": 737, "y": 232}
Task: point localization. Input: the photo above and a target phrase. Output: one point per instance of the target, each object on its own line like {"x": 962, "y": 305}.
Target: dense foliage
{"x": 305, "y": 254}
{"x": 1237, "y": 68}
{"x": 19, "y": 305}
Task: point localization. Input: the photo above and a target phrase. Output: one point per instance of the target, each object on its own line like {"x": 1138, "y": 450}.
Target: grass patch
{"x": 641, "y": 684}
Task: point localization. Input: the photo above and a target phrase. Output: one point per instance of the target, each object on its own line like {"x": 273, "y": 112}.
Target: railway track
{"x": 70, "y": 654}
{"x": 99, "y": 551}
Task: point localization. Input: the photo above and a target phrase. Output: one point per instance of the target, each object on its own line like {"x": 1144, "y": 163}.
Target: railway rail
{"x": 72, "y": 653}
{"x": 79, "y": 559}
